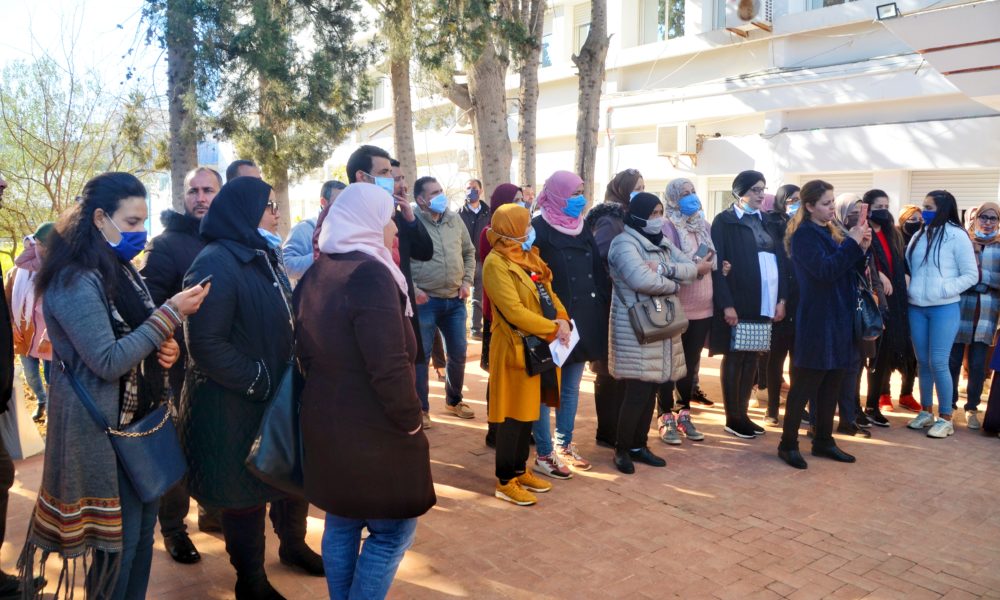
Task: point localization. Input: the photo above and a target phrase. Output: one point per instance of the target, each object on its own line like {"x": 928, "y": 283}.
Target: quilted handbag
{"x": 751, "y": 336}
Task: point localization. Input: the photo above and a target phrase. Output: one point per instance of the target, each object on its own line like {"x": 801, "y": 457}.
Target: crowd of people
{"x": 207, "y": 317}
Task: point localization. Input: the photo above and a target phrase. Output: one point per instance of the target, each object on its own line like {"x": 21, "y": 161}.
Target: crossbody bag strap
{"x": 85, "y": 399}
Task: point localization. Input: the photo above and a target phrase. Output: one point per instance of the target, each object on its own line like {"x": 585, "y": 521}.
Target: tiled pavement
{"x": 913, "y": 518}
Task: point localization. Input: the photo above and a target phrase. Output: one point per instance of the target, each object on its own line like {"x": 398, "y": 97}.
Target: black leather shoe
{"x": 793, "y": 458}
{"x": 258, "y": 588}
{"x": 181, "y": 548}
{"x": 624, "y": 462}
{"x": 835, "y": 453}
{"x": 853, "y": 429}
{"x": 303, "y": 558}
{"x": 644, "y": 455}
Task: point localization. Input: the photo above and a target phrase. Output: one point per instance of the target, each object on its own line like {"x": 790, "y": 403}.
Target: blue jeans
{"x": 448, "y": 315}
{"x": 32, "y": 374}
{"x": 368, "y": 576}
{"x": 138, "y": 521}
{"x": 569, "y": 396}
{"x": 977, "y": 372}
{"x": 933, "y": 330}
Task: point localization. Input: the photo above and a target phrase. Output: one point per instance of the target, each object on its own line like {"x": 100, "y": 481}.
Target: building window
{"x": 581, "y": 25}
{"x": 380, "y": 93}
{"x": 825, "y": 3}
{"x": 661, "y": 20}
{"x": 547, "y": 41}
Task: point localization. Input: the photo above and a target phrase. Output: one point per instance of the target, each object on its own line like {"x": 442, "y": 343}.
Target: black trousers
{"x": 782, "y": 346}
{"x": 608, "y": 395}
{"x": 243, "y": 530}
{"x": 174, "y": 507}
{"x": 6, "y": 482}
{"x": 636, "y": 411}
{"x": 824, "y": 387}
{"x": 512, "y": 449}
{"x": 693, "y": 341}
{"x": 880, "y": 380}
{"x": 738, "y": 370}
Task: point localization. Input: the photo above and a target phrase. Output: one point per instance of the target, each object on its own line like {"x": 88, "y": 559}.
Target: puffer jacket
{"x": 633, "y": 281}
{"x": 945, "y": 275}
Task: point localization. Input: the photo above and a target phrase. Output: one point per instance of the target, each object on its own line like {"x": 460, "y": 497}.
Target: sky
{"x": 96, "y": 34}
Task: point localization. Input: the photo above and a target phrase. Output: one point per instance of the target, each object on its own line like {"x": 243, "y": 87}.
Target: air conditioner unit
{"x": 744, "y": 16}
{"x": 675, "y": 140}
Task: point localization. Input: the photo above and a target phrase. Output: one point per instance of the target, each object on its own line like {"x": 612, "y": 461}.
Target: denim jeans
{"x": 32, "y": 374}
{"x": 569, "y": 397}
{"x": 448, "y": 315}
{"x": 977, "y": 372}
{"x": 368, "y": 576}
{"x": 138, "y": 522}
{"x": 933, "y": 330}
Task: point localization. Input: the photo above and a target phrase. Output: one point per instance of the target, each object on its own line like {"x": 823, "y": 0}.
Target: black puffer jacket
{"x": 168, "y": 257}
{"x": 240, "y": 342}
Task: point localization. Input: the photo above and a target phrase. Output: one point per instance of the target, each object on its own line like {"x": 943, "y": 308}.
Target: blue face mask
{"x": 272, "y": 239}
{"x": 472, "y": 194}
{"x": 632, "y": 195}
{"x": 574, "y": 206}
{"x": 526, "y": 244}
{"x": 982, "y": 235}
{"x": 689, "y": 204}
{"x": 521, "y": 204}
{"x": 386, "y": 183}
{"x": 792, "y": 209}
{"x": 749, "y": 209}
{"x": 130, "y": 245}
{"x": 928, "y": 216}
{"x": 439, "y": 204}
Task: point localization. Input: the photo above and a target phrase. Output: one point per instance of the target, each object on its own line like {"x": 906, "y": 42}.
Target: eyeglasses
{"x": 758, "y": 190}
{"x": 273, "y": 206}
{"x": 988, "y": 219}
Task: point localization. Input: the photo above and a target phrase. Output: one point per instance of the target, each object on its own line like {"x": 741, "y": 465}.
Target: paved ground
{"x": 914, "y": 518}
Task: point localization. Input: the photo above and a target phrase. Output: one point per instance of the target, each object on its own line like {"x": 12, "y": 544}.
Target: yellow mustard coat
{"x": 512, "y": 293}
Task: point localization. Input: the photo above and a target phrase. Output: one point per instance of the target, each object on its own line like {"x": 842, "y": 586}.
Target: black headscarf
{"x": 639, "y": 208}
{"x": 236, "y": 212}
{"x": 744, "y": 181}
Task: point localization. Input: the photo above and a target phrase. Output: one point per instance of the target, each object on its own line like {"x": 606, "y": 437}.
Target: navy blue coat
{"x": 828, "y": 297}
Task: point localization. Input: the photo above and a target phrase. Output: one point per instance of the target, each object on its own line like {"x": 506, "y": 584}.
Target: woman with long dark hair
{"x": 825, "y": 262}
{"x": 108, "y": 335}
{"x": 942, "y": 266}
{"x": 753, "y": 291}
{"x": 892, "y": 347}
{"x": 907, "y": 225}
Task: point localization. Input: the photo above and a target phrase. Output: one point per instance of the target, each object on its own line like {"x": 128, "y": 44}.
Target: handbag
{"x": 868, "y": 323}
{"x": 147, "y": 449}
{"x": 276, "y": 454}
{"x": 655, "y": 319}
{"x": 537, "y": 354}
{"x": 751, "y": 336}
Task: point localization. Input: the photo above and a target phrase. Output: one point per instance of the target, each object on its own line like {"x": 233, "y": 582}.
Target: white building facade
{"x": 908, "y": 104}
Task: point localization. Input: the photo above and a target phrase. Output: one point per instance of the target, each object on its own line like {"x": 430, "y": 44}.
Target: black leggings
{"x": 693, "y": 342}
{"x": 782, "y": 346}
{"x": 824, "y": 387}
{"x": 608, "y": 395}
{"x": 512, "y": 449}
{"x": 636, "y": 412}
{"x": 738, "y": 370}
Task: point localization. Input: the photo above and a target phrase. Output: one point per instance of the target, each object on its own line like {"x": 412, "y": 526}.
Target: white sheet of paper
{"x": 559, "y": 352}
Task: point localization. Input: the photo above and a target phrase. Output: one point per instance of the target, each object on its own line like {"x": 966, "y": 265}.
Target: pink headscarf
{"x": 558, "y": 188}
{"x": 357, "y": 219}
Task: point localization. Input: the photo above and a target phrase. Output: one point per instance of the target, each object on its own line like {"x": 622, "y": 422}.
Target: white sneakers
{"x": 972, "y": 419}
{"x": 941, "y": 429}
{"x": 923, "y": 419}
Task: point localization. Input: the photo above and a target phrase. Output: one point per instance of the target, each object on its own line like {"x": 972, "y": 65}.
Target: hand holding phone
{"x": 202, "y": 283}
{"x": 863, "y": 215}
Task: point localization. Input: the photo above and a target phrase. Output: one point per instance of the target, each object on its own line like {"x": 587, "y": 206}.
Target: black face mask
{"x": 881, "y": 217}
{"x": 912, "y": 227}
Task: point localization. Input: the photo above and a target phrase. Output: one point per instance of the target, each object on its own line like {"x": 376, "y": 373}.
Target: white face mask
{"x": 654, "y": 225}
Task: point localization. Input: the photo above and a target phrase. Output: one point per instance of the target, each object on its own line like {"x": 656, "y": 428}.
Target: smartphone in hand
{"x": 202, "y": 283}
{"x": 863, "y": 215}
{"x": 702, "y": 251}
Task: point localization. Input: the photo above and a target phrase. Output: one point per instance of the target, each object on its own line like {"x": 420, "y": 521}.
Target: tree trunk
{"x": 590, "y": 63}
{"x": 488, "y": 93}
{"x": 279, "y": 183}
{"x": 402, "y": 119}
{"x": 274, "y": 167}
{"x": 183, "y": 145}
{"x": 527, "y": 129}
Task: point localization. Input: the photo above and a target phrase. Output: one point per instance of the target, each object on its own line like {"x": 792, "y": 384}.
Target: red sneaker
{"x": 909, "y": 403}
{"x": 885, "y": 402}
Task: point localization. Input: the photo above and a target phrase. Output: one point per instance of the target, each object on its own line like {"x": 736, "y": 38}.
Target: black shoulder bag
{"x": 537, "y": 354}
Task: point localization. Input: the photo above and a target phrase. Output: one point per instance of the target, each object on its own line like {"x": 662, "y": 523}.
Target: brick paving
{"x": 913, "y": 518}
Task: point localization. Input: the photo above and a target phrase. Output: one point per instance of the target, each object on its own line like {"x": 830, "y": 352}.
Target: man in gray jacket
{"x": 297, "y": 251}
{"x": 442, "y": 286}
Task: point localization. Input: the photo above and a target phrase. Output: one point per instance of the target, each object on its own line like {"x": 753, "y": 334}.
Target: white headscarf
{"x": 355, "y": 222}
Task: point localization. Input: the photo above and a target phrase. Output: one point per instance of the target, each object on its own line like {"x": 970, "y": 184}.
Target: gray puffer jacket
{"x": 631, "y": 276}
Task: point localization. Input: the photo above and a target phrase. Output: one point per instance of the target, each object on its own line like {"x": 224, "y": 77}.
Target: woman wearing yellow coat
{"x": 519, "y": 285}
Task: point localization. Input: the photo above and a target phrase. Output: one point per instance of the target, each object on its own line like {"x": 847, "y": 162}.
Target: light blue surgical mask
{"x": 575, "y": 206}
{"x": 749, "y": 209}
{"x": 689, "y": 204}
{"x": 386, "y": 183}
{"x": 632, "y": 194}
{"x": 526, "y": 244}
{"x": 520, "y": 203}
{"x": 272, "y": 239}
{"x": 792, "y": 209}
{"x": 982, "y": 235}
{"x": 439, "y": 204}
